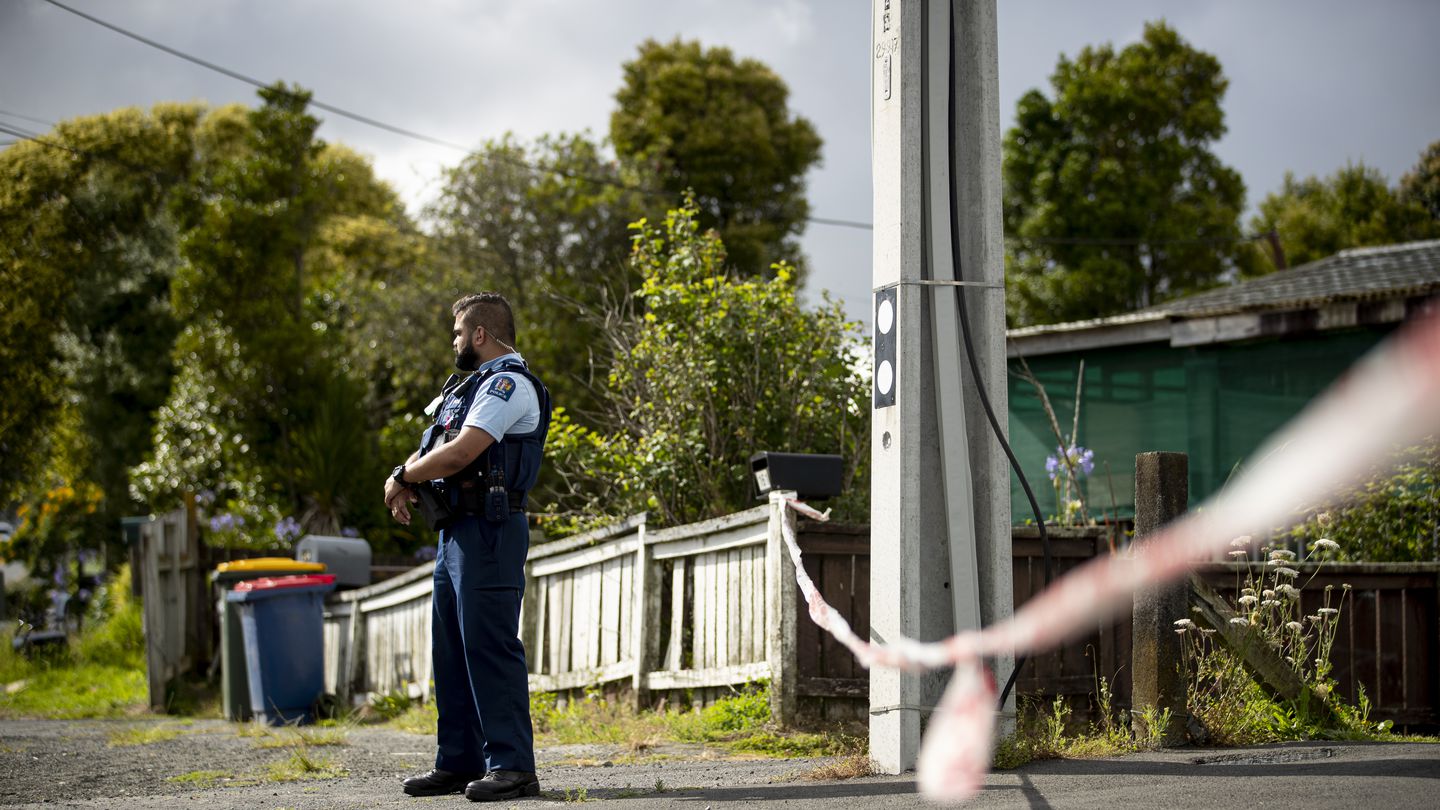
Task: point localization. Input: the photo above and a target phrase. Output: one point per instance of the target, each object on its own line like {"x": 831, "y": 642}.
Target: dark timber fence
{"x": 1388, "y": 644}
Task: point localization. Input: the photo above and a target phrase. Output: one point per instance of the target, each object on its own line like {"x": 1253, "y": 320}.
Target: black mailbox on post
{"x": 810, "y": 476}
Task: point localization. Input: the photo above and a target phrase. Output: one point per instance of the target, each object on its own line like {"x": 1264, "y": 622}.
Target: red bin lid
{"x": 270, "y": 583}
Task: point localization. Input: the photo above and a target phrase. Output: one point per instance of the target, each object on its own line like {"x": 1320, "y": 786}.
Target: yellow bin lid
{"x": 270, "y": 564}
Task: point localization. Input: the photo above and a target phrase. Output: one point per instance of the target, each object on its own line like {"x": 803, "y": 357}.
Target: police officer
{"x": 479, "y": 459}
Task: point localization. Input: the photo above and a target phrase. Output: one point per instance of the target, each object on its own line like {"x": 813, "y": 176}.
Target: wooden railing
{"x": 683, "y": 608}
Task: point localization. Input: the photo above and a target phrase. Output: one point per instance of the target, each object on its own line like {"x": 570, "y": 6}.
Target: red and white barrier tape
{"x": 1389, "y": 399}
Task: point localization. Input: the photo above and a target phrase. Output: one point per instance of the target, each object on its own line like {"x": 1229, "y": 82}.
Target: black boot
{"x": 437, "y": 783}
{"x": 500, "y": 785}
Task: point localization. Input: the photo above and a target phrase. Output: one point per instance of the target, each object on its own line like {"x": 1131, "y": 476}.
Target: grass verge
{"x": 739, "y": 724}
{"x": 99, "y": 673}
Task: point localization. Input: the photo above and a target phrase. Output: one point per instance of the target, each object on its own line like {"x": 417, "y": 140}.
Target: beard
{"x": 468, "y": 359}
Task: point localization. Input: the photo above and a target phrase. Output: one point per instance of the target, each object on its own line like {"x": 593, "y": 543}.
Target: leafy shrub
{"x": 746, "y": 711}
{"x": 708, "y": 370}
{"x": 1394, "y": 517}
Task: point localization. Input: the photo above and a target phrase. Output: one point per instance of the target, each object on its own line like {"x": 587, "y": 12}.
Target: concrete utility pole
{"x": 940, "y": 492}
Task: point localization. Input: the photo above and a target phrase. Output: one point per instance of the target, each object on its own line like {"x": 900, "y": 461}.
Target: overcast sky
{"x": 1313, "y": 83}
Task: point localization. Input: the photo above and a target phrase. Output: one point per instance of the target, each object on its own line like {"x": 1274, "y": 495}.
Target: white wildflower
{"x": 1241, "y": 541}
{"x": 1274, "y": 561}
{"x": 1313, "y": 617}
{"x": 1270, "y": 603}
{"x": 1321, "y": 690}
{"x": 1295, "y": 626}
{"x": 1205, "y": 631}
{"x": 1282, "y": 554}
{"x": 1239, "y": 620}
{"x": 1239, "y": 553}
{"x": 1184, "y": 623}
{"x": 1287, "y": 572}
{"x": 1248, "y": 591}
{"x": 1248, "y": 601}
{"x": 1325, "y": 544}
{"x": 1288, "y": 590}
{"x": 1180, "y": 632}
{"x": 1268, "y": 594}
{"x": 1328, "y": 611}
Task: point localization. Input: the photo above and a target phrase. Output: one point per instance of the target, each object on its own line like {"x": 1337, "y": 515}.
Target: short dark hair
{"x": 487, "y": 309}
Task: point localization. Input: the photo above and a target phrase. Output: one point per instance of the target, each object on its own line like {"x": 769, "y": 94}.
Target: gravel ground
{"x": 94, "y": 764}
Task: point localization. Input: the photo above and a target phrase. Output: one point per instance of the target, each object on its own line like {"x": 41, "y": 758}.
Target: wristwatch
{"x": 399, "y": 475}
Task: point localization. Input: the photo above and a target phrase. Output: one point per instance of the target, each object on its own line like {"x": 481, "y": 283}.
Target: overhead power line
{"x": 24, "y": 117}
{"x": 33, "y": 137}
{"x": 392, "y": 128}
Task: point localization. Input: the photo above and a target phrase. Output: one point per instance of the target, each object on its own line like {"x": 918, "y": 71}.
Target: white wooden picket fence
{"x": 690, "y": 607}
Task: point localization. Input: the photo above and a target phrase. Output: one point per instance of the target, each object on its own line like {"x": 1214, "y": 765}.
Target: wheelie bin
{"x": 283, "y": 621}
{"x": 234, "y": 680}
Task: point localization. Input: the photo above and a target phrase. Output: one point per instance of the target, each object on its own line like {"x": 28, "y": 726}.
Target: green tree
{"x": 553, "y": 239}
{"x": 89, "y": 217}
{"x": 1113, "y": 197}
{"x": 707, "y": 370}
{"x": 700, "y": 120}
{"x": 1422, "y": 183}
{"x": 270, "y": 407}
{"x": 1354, "y": 207}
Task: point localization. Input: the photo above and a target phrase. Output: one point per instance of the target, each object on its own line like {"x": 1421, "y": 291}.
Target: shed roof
{"x": 1388, "y": 271}
{"x": 1397, "y": 273}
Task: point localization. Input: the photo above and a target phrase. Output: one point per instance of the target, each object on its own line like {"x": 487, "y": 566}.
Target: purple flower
{"x": 206, "y": 498}
{"x": 1082, "y": 458}
{"x": 287, "y": 529}
{"x": 349, "y": 531}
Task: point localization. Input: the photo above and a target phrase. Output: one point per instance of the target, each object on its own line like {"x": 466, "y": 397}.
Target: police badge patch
{"x": 503, "y": 387}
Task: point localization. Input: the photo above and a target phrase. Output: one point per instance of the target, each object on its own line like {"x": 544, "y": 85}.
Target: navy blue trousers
{"x": 481, "y": 682}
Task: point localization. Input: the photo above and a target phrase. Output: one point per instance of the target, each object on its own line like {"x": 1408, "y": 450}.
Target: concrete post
{"x": 940, "y": 509}
{"x": 1161, "y": 495}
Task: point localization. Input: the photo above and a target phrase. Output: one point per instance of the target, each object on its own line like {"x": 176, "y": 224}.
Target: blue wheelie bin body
{"x": 282, "y": 619}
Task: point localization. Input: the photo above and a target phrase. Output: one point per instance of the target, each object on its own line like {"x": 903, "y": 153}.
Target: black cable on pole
{"x": 970, "y": 348}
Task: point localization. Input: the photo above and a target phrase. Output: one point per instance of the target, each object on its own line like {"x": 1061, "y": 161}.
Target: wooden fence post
{"x": 645, "y": 630}
{"x": 780, "y": 589}
{"x": 1158, "y": 678}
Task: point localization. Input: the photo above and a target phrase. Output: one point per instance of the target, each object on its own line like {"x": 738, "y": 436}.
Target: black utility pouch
{"x": 434, "y": 507}
{"x": 497, "y": 504}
